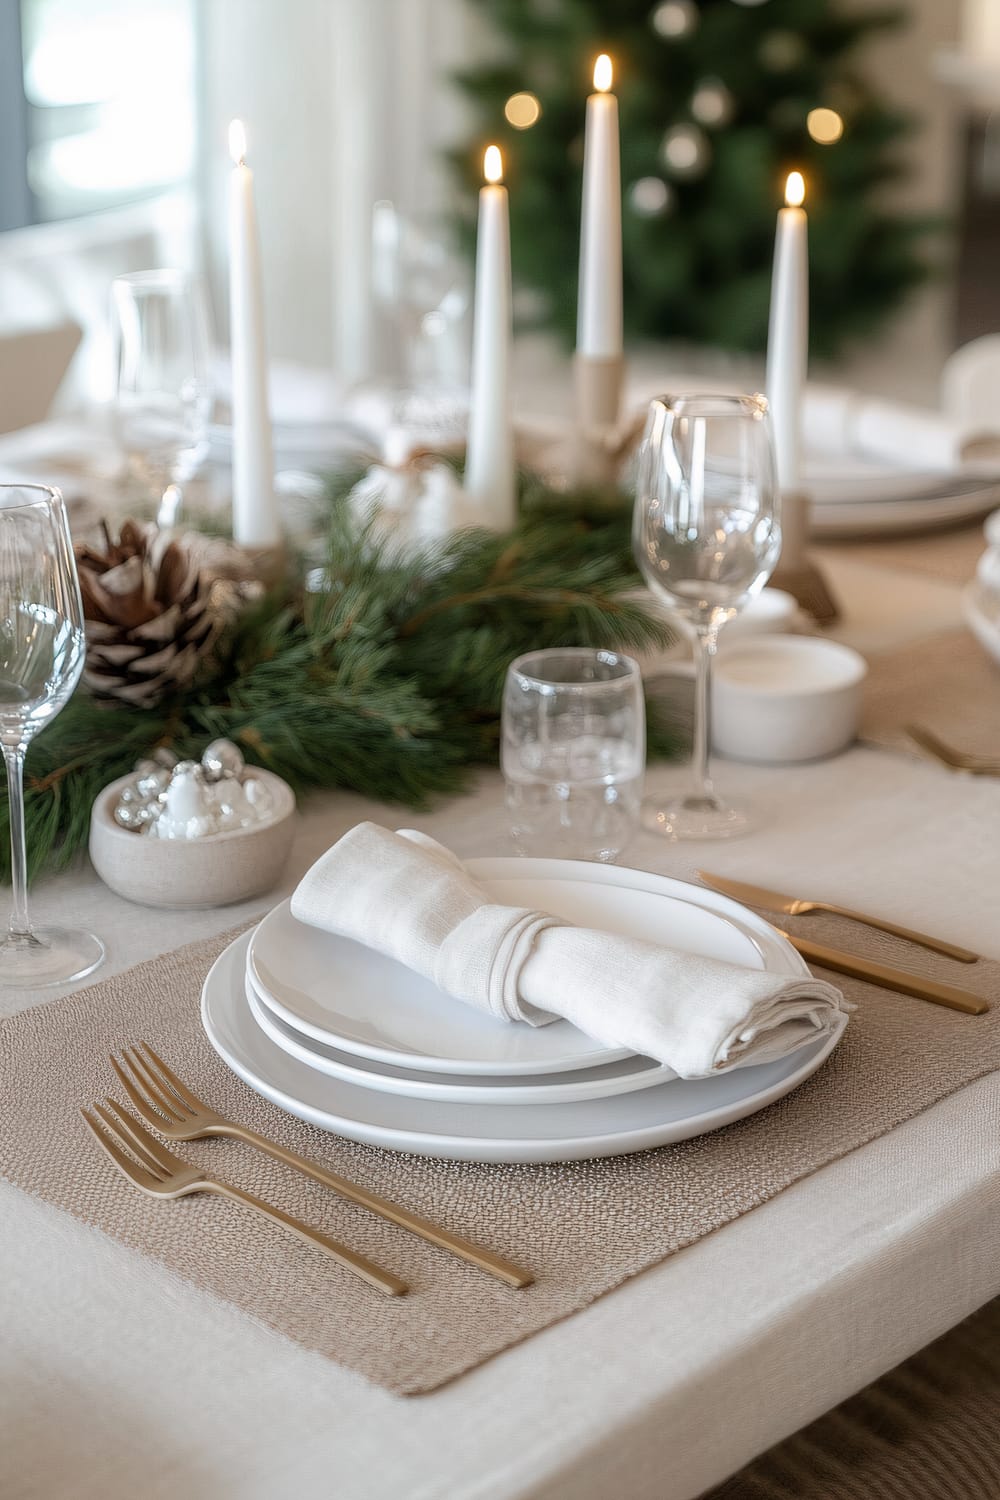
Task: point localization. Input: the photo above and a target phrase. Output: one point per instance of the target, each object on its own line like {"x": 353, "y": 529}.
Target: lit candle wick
{"x": 602, "y": 73}
{"x": 237, "y": 142}
{"x": 492, "y": 164}
{"x": 795, "y": 190}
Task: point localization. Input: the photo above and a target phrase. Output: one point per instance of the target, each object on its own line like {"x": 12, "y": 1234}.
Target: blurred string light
{"x": 825, "y": 126}
{"x": 674, "y": 18}
{"x": 522, "y": 111}
{"x": 712, "y": 103}
{"x": 685, "y": 151}
{"x": 650, "y": 197}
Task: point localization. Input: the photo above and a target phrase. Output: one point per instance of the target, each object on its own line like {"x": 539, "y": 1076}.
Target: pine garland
{"x": 388, "y": 683}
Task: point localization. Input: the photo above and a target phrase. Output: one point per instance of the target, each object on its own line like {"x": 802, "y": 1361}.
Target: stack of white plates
{"x": 855, "y": 498}
{"x": 356, "y": 1044}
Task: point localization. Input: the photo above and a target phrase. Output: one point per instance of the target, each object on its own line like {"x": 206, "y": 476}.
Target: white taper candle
{"x": 255, "y": 512}
{"x": 788, "y": 333}
{"x": 489, "y": 463}
{"x": 599, "y": 303}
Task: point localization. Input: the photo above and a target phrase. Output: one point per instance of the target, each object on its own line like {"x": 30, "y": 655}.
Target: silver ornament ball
{"x": 223, "y": 758}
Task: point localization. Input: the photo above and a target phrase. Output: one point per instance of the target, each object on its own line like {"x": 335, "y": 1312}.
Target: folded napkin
{"x": 408, "y": 897}
{"x": 835, "y": 420}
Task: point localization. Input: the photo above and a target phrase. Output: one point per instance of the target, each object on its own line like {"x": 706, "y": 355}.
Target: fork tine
{"x": 125, "y": 1164}
{"x": 147, "y": 1082}
{"x": 139, "y": 1100}
{"x": 136, "y": 1138}
{"x": 184, "y": 1094}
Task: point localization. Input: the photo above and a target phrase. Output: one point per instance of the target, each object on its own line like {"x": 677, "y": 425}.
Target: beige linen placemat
{"x": 583, "y": 1227}
{"x": 947, "y": 555}
{"x": 948, "y": 684}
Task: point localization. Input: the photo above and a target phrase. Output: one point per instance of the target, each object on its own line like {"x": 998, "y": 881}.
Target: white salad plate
{"x": 342, "y": 994}
{"x": 856, "y": 497}
{"x": 632, "y": 1072}
{"x": 612, "y": 1126}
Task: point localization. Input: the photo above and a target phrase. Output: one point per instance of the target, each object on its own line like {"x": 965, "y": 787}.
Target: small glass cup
{"x": 163, "y": 395}
{"x": 573, "y": 752}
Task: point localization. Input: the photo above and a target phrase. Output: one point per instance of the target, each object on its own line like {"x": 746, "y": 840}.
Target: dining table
{"x": 121, "y": 1379}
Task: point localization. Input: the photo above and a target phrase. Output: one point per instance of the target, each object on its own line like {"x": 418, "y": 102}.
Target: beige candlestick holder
{"x": 597, "y": 384}
{"x": 796, "y": 572}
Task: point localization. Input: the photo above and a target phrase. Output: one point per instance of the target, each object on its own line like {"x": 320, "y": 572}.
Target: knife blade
{"x": 887, "y": 977}
{"x": 795, "y": 906}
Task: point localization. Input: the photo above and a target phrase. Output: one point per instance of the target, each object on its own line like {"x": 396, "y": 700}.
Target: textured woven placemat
{"x": 583, "y": 1227}
{"x": 948, "y": 684}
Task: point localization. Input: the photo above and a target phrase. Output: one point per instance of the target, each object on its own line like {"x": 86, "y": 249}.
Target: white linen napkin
{"x": 835, "y": 420}
{"x": 408, "y": 897}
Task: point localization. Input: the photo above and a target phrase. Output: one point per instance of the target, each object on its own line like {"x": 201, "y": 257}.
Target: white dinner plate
{"x": 340, "y": 993}
{"x": 900, "y": 517}
{"x": 632, "y": 1072}
{"x": 480, "y": 1132}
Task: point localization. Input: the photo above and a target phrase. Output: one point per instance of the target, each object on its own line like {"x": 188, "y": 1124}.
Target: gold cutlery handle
{"x": 366, "y": 1269}
{"x": 936, "y": 945}
{"x": 889, "y": 978}
{"x": 486, "y": 1260}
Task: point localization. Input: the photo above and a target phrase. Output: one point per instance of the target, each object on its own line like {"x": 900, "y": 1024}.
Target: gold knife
{"x": 791, "y": 906}
{"x": 887, "y": 977}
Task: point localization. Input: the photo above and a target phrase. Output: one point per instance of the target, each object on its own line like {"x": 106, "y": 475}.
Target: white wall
{"x": 907, "y": 361}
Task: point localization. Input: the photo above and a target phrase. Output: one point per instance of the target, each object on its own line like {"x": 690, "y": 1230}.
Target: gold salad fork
{"x": 170, "y": 1107}
{"x": 153, "y": 1169}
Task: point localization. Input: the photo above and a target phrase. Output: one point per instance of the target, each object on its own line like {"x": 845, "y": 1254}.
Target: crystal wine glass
{"x": 163, "y": 394}
{"x": 41, "y": 658}
{"x": 706, "y": 538}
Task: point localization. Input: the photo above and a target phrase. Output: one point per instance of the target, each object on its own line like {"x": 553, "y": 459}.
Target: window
{"x": 101, "y": 99}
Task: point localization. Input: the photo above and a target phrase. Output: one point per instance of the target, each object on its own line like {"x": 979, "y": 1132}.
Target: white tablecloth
{"x": 121, "y": 1381}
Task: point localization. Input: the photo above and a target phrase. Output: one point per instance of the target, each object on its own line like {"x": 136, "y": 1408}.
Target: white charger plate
{"x": 340, "y": 993}
{"x": 674, "y": 1111}
{"x": 632, "y": 1072}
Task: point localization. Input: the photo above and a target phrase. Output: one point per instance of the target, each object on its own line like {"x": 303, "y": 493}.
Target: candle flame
{"x": 493, "y": 164}
{"x": 602, "y": 73}
{"x": 795, "y": 190}
{"x": 237, "y": 142}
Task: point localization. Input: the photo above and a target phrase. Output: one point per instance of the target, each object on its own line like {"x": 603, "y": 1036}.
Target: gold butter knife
{"x": 887, "y": 977}
{"x": 792, "y": 906}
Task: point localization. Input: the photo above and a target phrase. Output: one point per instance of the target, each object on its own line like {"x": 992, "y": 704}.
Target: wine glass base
{"x": 694, "y": 817}
{"x": 47, "y": 956}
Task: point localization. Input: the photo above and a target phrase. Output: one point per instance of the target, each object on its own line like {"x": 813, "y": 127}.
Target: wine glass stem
{"x": 19, "y": 926}
{"x": 705, "y": 643}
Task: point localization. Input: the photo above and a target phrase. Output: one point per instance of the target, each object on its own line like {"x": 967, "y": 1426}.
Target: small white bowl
{"x": 785, "y": 698}
{"x": 192, "y": 873}
{"x": 772, "y": 612}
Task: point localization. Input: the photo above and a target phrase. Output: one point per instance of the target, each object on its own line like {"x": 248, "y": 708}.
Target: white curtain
{"x": 345, "y": 102}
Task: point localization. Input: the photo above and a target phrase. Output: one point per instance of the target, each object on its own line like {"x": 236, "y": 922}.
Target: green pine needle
{"x": 389, "y": 683}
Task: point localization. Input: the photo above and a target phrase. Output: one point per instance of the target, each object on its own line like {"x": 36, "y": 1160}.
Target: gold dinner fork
{"x": 153, "y": 1169}
{"x": 170, "y": 1107}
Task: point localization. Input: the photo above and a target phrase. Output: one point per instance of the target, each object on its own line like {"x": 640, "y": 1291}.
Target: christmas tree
{"x": 719, "y": 100}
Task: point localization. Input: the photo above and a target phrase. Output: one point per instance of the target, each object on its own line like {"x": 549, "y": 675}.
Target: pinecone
{"x": 154, "y": 608}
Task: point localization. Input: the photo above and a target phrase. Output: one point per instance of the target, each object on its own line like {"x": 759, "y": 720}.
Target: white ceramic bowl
{"x": 772, "y": 612}
{"x": 784, "y": 698}
{"x": 188, "y": 873}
